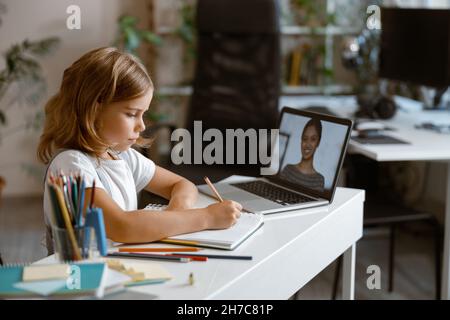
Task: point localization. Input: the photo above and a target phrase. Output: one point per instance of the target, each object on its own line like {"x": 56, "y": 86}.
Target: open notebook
{"x": 227, "y": 239}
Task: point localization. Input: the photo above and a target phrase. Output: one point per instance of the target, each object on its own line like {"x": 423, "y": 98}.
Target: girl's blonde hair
{"x": 99, "y": 77}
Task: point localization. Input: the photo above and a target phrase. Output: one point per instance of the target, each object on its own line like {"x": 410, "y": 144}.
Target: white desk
{"x": 288, "y": 251}
{"x": 425, "y": 145}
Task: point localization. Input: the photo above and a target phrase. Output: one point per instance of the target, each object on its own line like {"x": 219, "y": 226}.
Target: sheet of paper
{"x": 43, "y": 288}
{"x": 115, "y": 278}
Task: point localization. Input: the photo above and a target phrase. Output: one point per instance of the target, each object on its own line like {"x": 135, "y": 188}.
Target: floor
{"x": 22, "y": 230}
{"x": 22, "y": 234}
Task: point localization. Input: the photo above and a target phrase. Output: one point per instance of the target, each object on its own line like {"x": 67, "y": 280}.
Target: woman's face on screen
{"x": 310, "y": 142}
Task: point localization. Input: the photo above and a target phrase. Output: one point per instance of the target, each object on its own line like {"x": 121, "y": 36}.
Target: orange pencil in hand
{"x": 214, "y": 190}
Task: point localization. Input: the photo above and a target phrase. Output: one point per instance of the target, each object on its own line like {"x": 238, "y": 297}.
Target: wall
{"x": 34, "y": 20}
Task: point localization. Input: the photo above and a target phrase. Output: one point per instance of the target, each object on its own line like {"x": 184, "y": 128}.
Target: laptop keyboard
{"x": 272, "y": 192}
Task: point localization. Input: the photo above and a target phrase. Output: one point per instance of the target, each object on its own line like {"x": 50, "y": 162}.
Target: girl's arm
{"x": 181, "y": 192}
{"x": 147, "y": 226}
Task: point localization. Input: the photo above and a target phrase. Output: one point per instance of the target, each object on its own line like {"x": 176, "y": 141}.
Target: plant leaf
{"x": 45, "y": 46}
{"x": 127, "y": 21}
{"x": 132, "y": 39}
{"x": 186, "y": 33}
{"x": 156, "y": 116}
{"x": 151, "y": 38}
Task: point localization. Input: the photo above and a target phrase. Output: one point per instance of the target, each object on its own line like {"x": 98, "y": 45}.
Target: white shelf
{"x": 174, "y": 91}
{"x": 328, "y": 30}
{"x": 327, "y": 89}
{"x": 291, "y": 30}
{"x": 164, "y": 30}
{"x": 286, "y": 90}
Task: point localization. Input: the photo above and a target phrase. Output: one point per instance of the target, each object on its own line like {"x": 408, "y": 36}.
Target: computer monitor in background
{"x": 414, "y": 46}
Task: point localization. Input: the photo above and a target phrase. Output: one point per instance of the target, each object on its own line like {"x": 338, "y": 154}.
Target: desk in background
{"x": 288, "y": 251}
{"x": 425, "y": 145}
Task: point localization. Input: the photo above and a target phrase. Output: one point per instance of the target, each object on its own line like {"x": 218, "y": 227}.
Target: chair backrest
{"x": 237, "y": 78}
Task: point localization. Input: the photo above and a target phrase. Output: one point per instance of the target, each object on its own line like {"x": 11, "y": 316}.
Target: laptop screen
{"x": 311, "y": 151}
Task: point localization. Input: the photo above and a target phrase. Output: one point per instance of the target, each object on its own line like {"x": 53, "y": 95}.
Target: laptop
{"x": 311, "y": 149}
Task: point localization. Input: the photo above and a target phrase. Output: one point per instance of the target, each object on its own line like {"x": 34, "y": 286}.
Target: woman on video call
{"x": 303, "y": 173}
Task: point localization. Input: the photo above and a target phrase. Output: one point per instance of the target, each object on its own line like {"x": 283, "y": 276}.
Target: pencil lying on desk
{"x": 147, "y": 256}
{"x": 216, "y": 256}
{"x": 159, "y": 249}
{"x": 181, "y": 255}
{"x": 193, "y": 258}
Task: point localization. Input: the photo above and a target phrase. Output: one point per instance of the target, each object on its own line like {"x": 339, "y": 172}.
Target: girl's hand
{"x": 223, "y": 215}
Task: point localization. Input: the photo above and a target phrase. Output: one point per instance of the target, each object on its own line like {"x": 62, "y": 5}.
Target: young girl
{"x": 90, "y": 125}
{"x": 304, "y": 172}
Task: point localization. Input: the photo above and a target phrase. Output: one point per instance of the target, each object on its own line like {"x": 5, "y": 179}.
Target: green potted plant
{"x": 23, "y": 73}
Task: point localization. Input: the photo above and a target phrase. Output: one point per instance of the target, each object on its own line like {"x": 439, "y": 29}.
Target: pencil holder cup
{"x": 74, "y": 244}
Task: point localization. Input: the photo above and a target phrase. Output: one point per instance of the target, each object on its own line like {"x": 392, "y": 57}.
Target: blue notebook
{"x": 91, "y": 278}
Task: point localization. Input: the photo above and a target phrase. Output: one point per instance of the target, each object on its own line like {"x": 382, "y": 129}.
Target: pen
{"x": 214, "y": 190}
{"x": 147, "y": 256}
{"x": 216, "y": 256}
{"x": 193, "y": 258}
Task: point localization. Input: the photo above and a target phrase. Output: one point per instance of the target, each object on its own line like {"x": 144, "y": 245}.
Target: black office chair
{"x": 381, "y": 211}
{"x": 1, "y": 261}
{"x": 237, "y": 77}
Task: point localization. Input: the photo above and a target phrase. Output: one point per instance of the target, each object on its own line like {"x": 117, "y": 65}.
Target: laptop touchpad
{"x": 239, "y": 196}
{"x": 261, "y": 205}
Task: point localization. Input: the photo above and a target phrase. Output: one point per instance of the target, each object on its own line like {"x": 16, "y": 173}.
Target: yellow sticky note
{"x": 45, "y": 272}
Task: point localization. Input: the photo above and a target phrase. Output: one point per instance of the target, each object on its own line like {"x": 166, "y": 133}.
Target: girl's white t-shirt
{"x": 122, "y": 179}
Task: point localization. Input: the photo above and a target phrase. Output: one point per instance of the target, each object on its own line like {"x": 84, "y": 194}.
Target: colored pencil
{"x": 69, "y": 207}
{"x": 56, "y": 213}
{"x": 193, "y": 258}
{"x": 159, "y": 249}
{"x": 217, "y": 256}
{"x": 147, "y": 256}
{"x": 81, "y": 192}
{"x": 214, "y": 190}
{"x": 74, "y": 197}
{"x": 66, "y": 218}
{"x": 67, "y": 196}
{"x": 180, "y": 242}
{"x": 92, "y": 195}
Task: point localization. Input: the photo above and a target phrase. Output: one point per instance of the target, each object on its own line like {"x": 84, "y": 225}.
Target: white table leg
{"x": 445, "y": 293}
{"x": 348, "y": 273}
